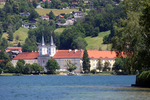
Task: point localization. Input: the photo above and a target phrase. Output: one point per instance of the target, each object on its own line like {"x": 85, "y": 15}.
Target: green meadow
{"x": 55, "y": 11}
{"x": 21, "y": 32}
{"x": 94, "y": 43}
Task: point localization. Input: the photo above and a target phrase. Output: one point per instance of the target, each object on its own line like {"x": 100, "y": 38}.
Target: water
{"x": 71, "y": 88}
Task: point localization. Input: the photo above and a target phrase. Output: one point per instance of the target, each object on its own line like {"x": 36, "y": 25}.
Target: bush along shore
{"x": 143, "y": 79}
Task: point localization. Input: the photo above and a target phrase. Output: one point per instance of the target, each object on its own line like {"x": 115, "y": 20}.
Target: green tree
{"x": 118, "y": 64}
{"x": 22, "y": 61}
{"x": 86, "y": 62}
{"x": 79, "y": 43}
{"x": 34, "y": 3}
{"x": 19, "y": 45}
{"x": 16, "y": 7}
{"x": 46, "y": 4}
{"x": 5, "y": 59}
{"x": 26, "y": 68}
{"x": 56, "y": 3}
{"x": 63, "y": 20}
{"x": 132, "y": 35}
{"x": 106, "y": 66}
{"x": 10, "y": 33}
{"x": 20, "y": 65}
{"x": 9, "y": 68}
{"x": 93, "y": 71}
{"x": 51, "y": 15}
{"x": 37, "y": 68}
{"x": 71, "y": 66}
{"x": 1, "y": 32}
{"x": 3, "y": 44}
{"x": 52, "y": 65}
{"x": 99, "y": 65}
{"x": 33, "y": 14}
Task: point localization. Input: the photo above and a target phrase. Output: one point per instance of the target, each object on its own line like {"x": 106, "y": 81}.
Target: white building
{"x": 62, "y": 56}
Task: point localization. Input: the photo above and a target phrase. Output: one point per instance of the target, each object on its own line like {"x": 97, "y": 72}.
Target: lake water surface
{"x": 71, "y": 88}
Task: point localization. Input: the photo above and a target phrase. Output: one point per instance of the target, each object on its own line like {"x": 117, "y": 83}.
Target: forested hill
{"x": 98, "y": 18}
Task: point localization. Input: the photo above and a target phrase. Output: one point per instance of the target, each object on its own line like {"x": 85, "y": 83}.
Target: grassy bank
{"x": 94, "y": 43}
{"x": 21, "y": 32}
{"x": 55, "y": 11}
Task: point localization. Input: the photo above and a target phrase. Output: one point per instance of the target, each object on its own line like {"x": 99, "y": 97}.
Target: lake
{"x": 71, "y": 88}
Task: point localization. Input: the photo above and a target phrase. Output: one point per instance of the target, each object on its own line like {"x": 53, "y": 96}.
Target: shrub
{"x": 144, "y": 77}
{"x": 93, "y": 71}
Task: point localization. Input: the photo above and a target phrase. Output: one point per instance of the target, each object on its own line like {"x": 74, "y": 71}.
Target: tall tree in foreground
{"x": 86, "y": 62}
{"x": 132, "y": 35}
{"x": 99, "y": 65}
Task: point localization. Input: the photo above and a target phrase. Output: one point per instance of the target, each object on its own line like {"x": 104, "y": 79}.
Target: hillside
{"x": 21, "y": 32}
{"x": 94, "y": 43}
{"x": 55, "y": 11}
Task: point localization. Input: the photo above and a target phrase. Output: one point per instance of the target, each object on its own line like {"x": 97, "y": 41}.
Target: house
{"x": 73, "y": 5}
{"x": 38, "y": 5}
{"x": 14, "y": 50}
{"x": 86, "y": 2}
{"x": 69, "y": 18}
{"x": 74, "y": 2}
{"x": 77, "y": 13}
{"x": 44, "y": 17}
{"x": 32, "y": 26}
{"x": 43, "y": 1}
{"x": 29, "y": 26}
{"x": 59, "y": 16}
{"x": 25, "y": 25}
{"x": 24, "y": 14}
{"x": 32, "y": 21}
{"x": 2, "y": 2}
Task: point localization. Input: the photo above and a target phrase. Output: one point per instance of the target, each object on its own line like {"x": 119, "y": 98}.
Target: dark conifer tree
{"x": 86, "y": 62}
{"x": 19, "y": 45}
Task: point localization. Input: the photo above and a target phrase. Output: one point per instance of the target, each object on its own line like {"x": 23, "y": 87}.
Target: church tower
{"x": 42, "y": 48}
{"x": 51, "y": 48}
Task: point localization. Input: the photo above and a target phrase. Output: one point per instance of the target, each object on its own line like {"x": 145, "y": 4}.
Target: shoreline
{"x": 60, "y": 75}
{"x": 140, "y": 85}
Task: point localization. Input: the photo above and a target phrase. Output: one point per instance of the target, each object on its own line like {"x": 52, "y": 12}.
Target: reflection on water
{"x": 71, "y": 88}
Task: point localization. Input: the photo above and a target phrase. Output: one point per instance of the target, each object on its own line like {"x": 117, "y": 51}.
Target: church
{"x": 62, "y": 56}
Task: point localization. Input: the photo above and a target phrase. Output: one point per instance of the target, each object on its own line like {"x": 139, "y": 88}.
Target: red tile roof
{"x": 66, "y": 54}
{"x": 95, "y": 54}
{"x": 59, "y": 15}
{"x": 26, "y": 55}
{"x": 47, "y": 0}
{"x": 14, "y": 48}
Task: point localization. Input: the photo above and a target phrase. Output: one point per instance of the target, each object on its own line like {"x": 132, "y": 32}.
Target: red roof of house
{"x": 14, "y": 48}
{"x": 95, "y": 54}
{"x": 47, "y": 0}
{"x": 59, "y": 15}
{"x": 26, "y": 55}
{"x": 66, "y": 54}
